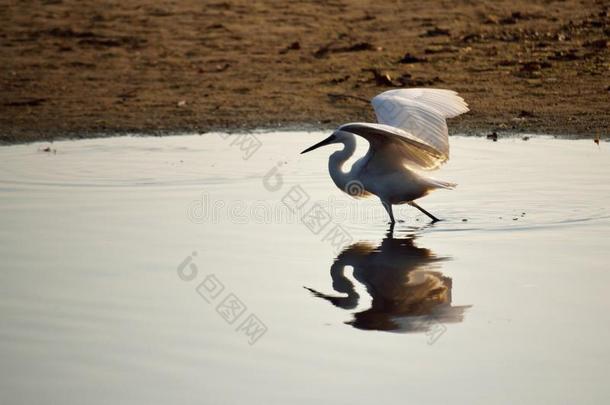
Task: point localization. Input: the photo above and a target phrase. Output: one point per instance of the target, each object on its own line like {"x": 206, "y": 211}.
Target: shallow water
{"x": 172, "y": 270}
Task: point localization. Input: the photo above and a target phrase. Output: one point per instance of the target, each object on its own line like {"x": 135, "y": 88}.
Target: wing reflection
{"x": 408, "y": 292}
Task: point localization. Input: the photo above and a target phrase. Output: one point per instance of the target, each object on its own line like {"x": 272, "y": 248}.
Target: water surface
{"x": 192, "y": 269}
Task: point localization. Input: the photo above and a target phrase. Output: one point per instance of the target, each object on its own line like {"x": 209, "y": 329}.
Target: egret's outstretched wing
{"x": 446, "y": 102}
{"x": 420, "y": 112}
{"x": 392, "y": 147}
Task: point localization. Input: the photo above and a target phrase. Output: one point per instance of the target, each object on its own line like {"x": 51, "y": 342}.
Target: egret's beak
{"x": 327, "y": 141}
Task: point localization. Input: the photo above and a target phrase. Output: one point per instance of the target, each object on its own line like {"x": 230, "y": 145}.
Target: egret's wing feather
{"x": 393, "y": 147}
{"x": 446, "y": 102}
{"x": 420, "y": 112}
{"x": 423, "y": 122}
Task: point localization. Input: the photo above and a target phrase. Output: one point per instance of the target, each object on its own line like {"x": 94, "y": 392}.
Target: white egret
{"x": 411, "y": 137}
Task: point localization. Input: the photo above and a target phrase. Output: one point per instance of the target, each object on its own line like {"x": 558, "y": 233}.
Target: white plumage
{"x": 411, "y": 136}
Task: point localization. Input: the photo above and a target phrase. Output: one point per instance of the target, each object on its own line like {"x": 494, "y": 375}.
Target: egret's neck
{"x": 338, "y": 159}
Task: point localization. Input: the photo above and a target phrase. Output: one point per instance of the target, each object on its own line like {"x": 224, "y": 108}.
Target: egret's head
{"x": 336, "y": 137}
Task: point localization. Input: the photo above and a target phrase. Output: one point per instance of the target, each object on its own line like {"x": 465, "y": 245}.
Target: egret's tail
{"x": 441, "y": 184}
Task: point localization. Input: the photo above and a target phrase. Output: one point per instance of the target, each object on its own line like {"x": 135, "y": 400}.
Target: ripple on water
{"x": 122, "y": 162}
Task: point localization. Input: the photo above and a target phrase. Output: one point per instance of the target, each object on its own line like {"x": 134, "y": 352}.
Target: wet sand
{"x": 77, "y": 69}
{"x": 117, "y": 275}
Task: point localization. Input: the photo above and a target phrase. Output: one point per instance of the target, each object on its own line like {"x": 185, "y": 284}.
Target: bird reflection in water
{"x": 408, "y": 292}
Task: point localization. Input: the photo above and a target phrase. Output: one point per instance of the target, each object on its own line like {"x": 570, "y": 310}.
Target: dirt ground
{"x": 88, "y": 68}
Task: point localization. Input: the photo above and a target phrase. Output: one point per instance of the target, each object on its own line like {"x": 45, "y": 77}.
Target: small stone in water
{"x": 47, "y": 149}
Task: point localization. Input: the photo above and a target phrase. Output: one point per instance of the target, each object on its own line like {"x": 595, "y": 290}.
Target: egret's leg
{"x": 388, "y": 208}
{"x": 432, "y": 217}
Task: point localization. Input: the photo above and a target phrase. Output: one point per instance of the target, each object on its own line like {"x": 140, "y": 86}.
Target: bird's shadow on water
{"x": 408, "y": 292}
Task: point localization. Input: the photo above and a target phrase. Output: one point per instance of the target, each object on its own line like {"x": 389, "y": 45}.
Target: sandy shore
{"x": 80, "y": 68}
